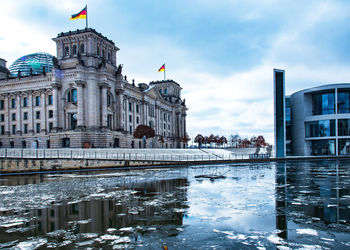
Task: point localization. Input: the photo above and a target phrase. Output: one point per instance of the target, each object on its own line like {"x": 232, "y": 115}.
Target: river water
{"x": 243, "y": 206}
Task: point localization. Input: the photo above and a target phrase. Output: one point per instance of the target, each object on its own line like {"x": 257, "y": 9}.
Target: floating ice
{"x": 122, "y": 240}
{"x": 275, "y": 239}
{"x": 31, "y": 244}
{"x": 126, "y": 229}
{"x": 109, "y": 237}
{"x": 85, "y": 243}
{"x": 307, "y": 231}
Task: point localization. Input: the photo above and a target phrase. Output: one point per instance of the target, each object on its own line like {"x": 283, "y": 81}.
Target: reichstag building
{"x": 82, "y": 99}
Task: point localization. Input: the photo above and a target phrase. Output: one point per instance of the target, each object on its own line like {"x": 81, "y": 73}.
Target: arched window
{"x": 74, "y": 49}
{"x": 72, "y": 96}
{"x": 82, "y": 49}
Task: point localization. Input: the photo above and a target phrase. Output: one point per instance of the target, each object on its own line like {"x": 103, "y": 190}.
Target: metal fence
{"x": 115, "y": 154}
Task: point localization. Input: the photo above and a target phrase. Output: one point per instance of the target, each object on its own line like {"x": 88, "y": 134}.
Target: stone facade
{"x": 86, "y": 101}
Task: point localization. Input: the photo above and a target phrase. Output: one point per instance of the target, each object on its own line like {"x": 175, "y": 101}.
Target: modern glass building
{"x": 33, "y": 64}
{"x": 318, "y": 121}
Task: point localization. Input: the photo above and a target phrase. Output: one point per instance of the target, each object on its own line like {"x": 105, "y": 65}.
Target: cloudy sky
{"x": 221, "y": 52}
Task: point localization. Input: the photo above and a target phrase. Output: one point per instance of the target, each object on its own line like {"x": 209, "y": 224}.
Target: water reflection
{"x": 313, "y": 196}
{"x": 137, "y": 203}
{"x": 281, "y": 201}
{"x": 293, "y": 204}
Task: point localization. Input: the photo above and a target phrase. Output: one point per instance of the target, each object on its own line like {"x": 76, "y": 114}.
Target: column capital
{"x": 119, "y": 91}
{"x": 103, "y": 85}
{"x": 56, "y": 85}
{"x": 80, "y": 83}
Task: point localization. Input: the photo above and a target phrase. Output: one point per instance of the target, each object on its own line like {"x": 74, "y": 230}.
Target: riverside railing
{"x": 115, "y": 154}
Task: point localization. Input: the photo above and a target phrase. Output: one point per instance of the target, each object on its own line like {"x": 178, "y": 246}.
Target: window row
{"x": 74, "y": 50}
{"x": 25, "y": 116}
{"x": 326, "y": 128}
{"x": 37, "y": 102}
{"x": 327, "y": 147}
{"x": 25, "y": 128}
{"x": 324, "y": 103}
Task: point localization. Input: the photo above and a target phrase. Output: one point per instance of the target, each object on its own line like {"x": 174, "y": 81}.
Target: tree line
{"x": 235, "y": 141}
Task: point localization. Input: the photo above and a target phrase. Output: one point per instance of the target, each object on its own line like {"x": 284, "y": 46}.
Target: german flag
{"x": 82, "y": 14}
{"x": 162, "y": 68}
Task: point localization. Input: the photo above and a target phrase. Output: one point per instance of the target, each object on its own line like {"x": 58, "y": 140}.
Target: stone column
{"x": 18, "y": 115}
{"x": 93, "y": 106}
{"x": 55, "y": 107}
{"x": 43, "y": 117}
{"x": 30, "y": 114}
{"x": 80, "y": 120}
{"x": 119, "y": 109}
{"x": 7, "y": 115}
{"x": 104, "y": 105}
{"x": 126, "y": 101}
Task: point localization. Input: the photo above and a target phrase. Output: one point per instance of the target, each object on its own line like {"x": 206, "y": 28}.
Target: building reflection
{"x": 149, "y": 206}
{"x": 312, "y": 192}
{"x": 281, "y": 201}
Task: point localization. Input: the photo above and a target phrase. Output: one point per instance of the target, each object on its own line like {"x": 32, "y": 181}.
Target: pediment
{"x": 70, "y": 106}
{"x": 154, "y": 94}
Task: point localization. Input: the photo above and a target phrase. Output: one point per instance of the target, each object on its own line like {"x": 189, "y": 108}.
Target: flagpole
{"x": 86, "y": 17}
{"x": 164, "y": 71}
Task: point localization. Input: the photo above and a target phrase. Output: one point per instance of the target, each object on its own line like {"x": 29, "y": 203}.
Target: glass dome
{"x": 35, "y": 61}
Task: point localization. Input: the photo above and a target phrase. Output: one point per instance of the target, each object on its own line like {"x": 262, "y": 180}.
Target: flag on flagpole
{"x": 82, "y": 14}
{"x": 162, "y": 68}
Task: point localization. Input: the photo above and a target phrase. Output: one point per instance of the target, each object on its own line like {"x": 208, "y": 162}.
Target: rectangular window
{"x": 137, "y": 120}
{"x": 321, "y": 128}
{"x": 2, "y": 118}
{"x": 73, "y": 121}
{"x": 25, "y": 115}
{"x": 24, "y": 144}
{"x": 37, "y": 101}
{"x": 323, "y": 147}
{"x": 25, "y": 102}
{"x": 13, "y": 129}
{"x": 13, "y": 103}
{"x": 130, "y": 118}
{"x": 50, "y": 113}
{"x": 323, "y": 103}
{"x": 50, "y": 126}
{"x": 37, "y": 127}
{"x": 169, "y": 118}
{"x": 164, "y": 116}
{"x": 130, "y": 127}
{"x": 13, "y": 116}
{"x": 130, "y": 106}
{"x": 2, "y": 129}
{"x": 25, "y": 129}
{"x": 2, "y": 104}
{"x": 37, "y": 115}
{"x": 50, "y": 99}
{"x": 137, "y": 108}
{"x": 109, "y": 121}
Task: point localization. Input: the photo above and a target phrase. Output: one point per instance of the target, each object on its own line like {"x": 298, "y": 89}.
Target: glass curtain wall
{"x": 323, "y": 128}
{"x": 323, "y": 103}
{"x": 344, "y": 101}
{"x": 344, "y": 146}
{"x": 323, "y": 147}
